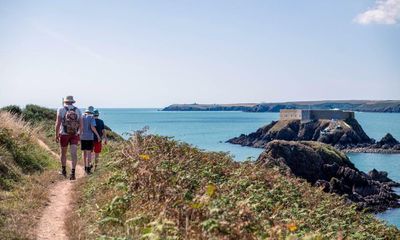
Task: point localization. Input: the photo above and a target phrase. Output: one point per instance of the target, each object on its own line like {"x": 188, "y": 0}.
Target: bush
{"x": 13, "y": 109}
{"x": 36, "y": 114}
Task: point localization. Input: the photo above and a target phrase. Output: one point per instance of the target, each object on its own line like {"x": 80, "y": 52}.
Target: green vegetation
{"x": 328, "y": 152}
{"x": 44, "y": 118}
{"x": 152, "y": 187}
{"x": 353, "y": 105}
{"x": 39, "y": 117}
{"x": 113, "y": 136}
{"x": 13, "y": 109}
{"x": 23, "y": 179}
{"x": 36, "y": 114}
{"x": 32, "y": 113}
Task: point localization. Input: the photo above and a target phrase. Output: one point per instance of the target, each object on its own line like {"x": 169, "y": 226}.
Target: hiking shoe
{"x": 63, "y": 172}
{"x": 87, "y": 170}
{"x": 72, "y": 177}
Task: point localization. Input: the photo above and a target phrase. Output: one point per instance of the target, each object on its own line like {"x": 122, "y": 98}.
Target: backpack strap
{"x": 63, "y": 115}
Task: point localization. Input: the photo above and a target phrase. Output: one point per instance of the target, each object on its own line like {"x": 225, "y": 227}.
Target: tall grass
{"x": 23, "y": 181}
{"x": 153, "y": 187}
{"x": 19, "y": 139}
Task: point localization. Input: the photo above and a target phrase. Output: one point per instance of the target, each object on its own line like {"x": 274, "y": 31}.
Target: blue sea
{"x": 210, "y": 130}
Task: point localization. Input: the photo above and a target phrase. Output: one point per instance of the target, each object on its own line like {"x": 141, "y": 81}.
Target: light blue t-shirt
{"x": 88, "y": 121}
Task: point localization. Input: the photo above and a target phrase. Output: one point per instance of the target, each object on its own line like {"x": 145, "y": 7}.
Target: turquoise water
{"x": 206, "y": 130}
{"x": 210, "y": 130}
{"x": 384, "y": 162}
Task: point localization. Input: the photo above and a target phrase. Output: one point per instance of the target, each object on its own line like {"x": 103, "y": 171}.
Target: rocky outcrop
{"x": 388, "y": 144}
{"x": 388, "y": 140}
{"x": 339, "y": 132}
{"x": 324, "y": 166}
{"x": 346, "y": 135}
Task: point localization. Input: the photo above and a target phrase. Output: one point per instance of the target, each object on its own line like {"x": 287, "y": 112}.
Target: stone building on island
{"x": 310, "y": 115}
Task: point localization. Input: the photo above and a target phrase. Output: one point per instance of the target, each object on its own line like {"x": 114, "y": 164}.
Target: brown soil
{"x": 52, "y": 222}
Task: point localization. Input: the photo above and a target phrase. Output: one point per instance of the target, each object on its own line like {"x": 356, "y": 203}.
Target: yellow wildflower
{"x": 144, "y": 157}
{"x": 196, "y": 205}
{"x": 210, "y": 189}
{"x": 292, "y": 227}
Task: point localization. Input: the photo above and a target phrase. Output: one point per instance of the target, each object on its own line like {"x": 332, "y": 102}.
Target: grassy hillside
{"x": 44, "y": 118}
{"x": 24, "y": 177}
{"x": 152, "y": 187}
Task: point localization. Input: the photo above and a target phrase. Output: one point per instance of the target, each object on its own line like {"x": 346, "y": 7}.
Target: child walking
{"x": 103, "y": 136}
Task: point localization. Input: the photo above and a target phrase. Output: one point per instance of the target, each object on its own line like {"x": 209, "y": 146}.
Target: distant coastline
{"x": 353, "y": 105}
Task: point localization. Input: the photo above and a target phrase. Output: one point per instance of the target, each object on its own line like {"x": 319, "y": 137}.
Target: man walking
{"x": 68, "y": 125}
{"x": 87, "y": 137}
{"x": 103, "y": 135}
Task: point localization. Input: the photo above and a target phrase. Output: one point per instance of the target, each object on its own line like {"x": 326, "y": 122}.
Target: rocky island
{"x": 325, "y": 167}
{"x": 335, "y": 127}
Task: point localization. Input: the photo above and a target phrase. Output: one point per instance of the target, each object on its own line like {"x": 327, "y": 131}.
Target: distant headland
{"x": 353, "y": 105}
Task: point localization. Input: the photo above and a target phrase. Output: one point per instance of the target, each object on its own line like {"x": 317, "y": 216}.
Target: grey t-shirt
{"x": 61, "y": 113}
{"x": 88, "y": 121}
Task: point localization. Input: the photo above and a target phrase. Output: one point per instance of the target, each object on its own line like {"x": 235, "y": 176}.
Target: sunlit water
{"x": 210, "y": 130}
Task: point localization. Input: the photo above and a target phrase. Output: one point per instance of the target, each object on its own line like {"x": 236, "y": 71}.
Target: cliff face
{"x": 338, "y": 133}
{"x": 325, "y": 167}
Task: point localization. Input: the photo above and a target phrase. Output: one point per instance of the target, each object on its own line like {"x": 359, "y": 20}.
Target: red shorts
{"x": 97, "y": 147}
{"x": 68, "y": 139}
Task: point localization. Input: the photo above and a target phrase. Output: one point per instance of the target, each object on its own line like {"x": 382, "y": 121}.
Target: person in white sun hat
{"x": 68, "y": 125}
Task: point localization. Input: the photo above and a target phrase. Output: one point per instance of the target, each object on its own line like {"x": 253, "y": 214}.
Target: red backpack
{"x": 71, "y": 121}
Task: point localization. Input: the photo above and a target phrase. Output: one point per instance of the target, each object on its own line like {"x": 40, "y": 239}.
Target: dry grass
{"x": 156, "y": 188}
{"x": 282, "y": 124}
{"x": 23, "y": 192}
{"x": 21, "y": 208}
{"x": 17, "y": 125}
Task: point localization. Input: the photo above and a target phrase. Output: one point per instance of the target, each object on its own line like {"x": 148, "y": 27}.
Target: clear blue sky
{"x": 155, "y": 53}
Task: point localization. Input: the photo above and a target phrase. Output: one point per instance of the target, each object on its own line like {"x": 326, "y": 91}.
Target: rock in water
{"x": 389, "y": 140}
{"x": 339, "y": 133}
{"x": 324, "y": 166}
{"x": 346, "y": 135}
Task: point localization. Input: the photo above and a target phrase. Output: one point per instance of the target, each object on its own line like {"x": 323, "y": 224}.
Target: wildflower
{"x": 144, "y": 157}
{"x": 196, "y": 205}
{"x": 292, "y": 227}
{"x": 210, "y": 189}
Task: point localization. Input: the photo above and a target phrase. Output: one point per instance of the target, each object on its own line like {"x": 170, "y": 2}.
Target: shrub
{"x": 13, "y": 109}
{"x": 35, "y": 114}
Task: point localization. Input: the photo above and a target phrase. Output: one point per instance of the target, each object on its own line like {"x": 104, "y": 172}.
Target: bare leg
{"x": 74, "y": 155}
{"x": 63, "y": 157}
{"x": 84, "y": 158}
{"x": 89, "y": 157}
{"x": 96, "y": 159}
